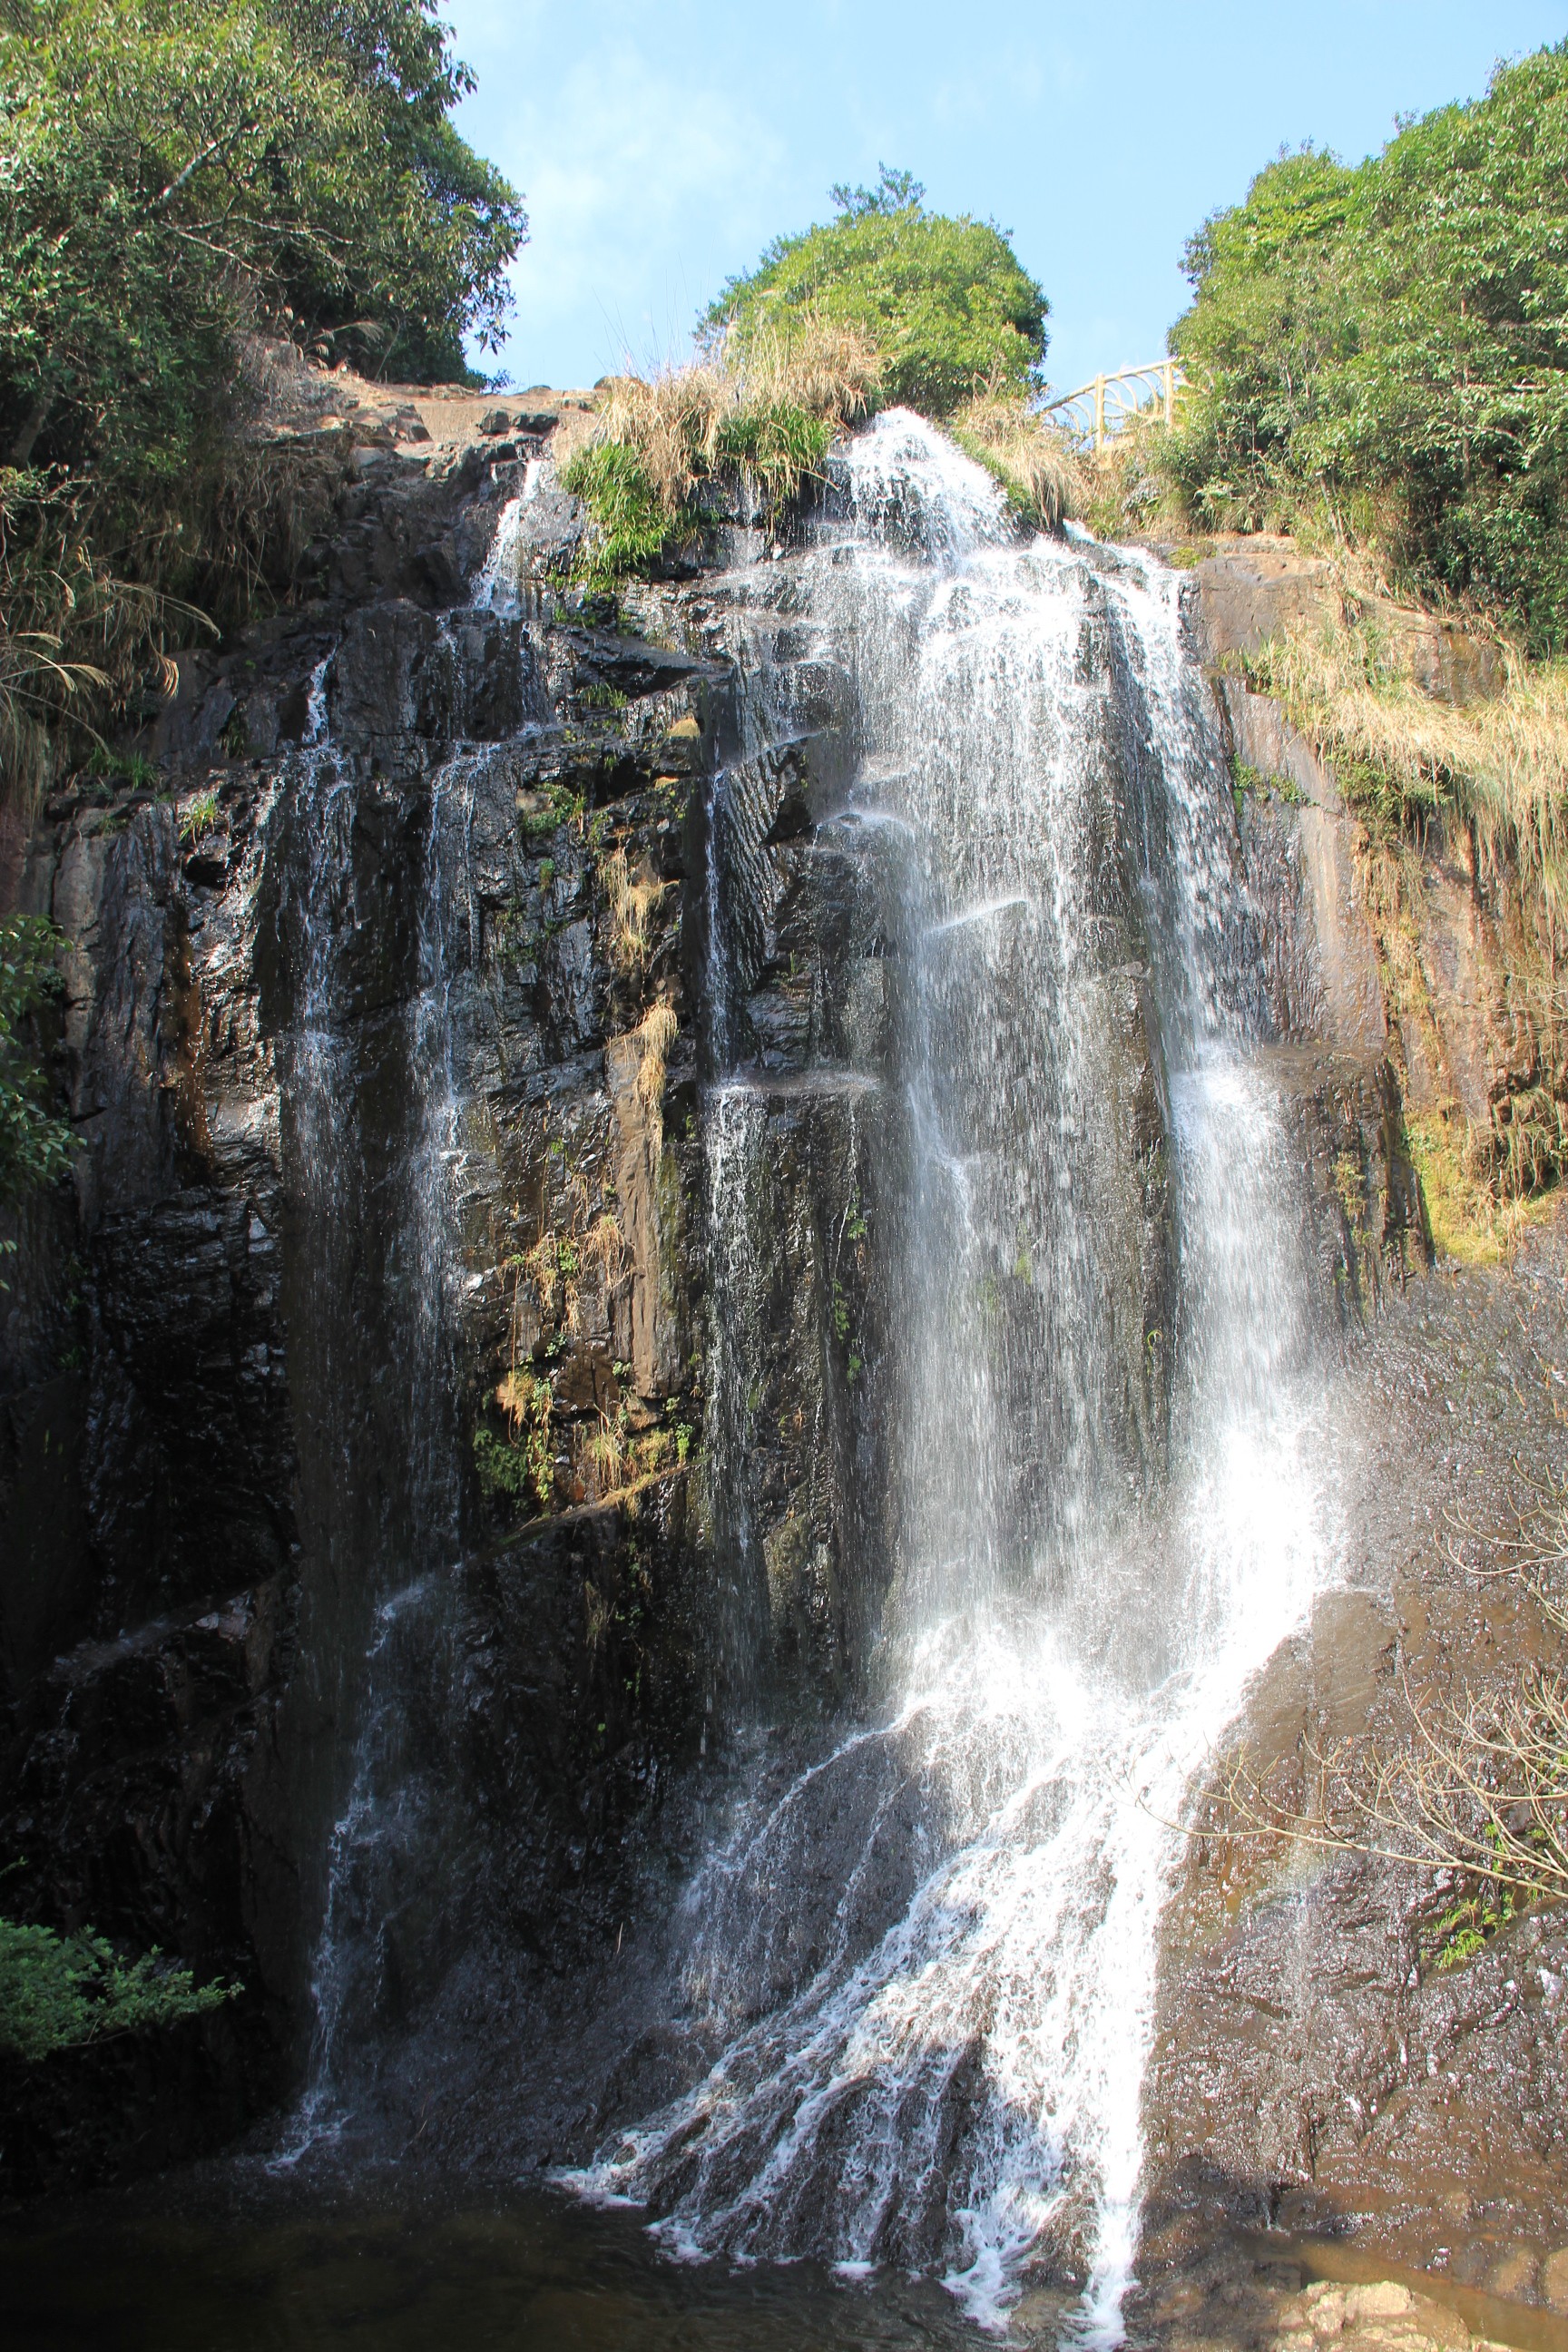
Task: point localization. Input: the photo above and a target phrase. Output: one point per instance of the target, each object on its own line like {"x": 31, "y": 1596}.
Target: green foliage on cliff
{"x": 633, "y": 525}
{"x": 34, "y": 1146}
{"x": 59, "y": 1991}
{"x": 177, "y": 169}
{"x": 943, "y": 300}
{"x": 1382, "y": 351}
{"x": 770, "y": 403}
{"x": 175, "y": 174}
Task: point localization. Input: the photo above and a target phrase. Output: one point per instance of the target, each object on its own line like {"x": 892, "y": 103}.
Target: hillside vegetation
{"x": 1380, "y": 353}
{"x": 1377, "y": 363}
{"x": 178, "y": 174}
{"x": 888, "y": 304}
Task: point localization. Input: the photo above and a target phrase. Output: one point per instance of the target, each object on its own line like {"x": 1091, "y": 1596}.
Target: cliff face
{"x": 358, "y": 1399}
{"x": 1323, "y": 2066}
{"x": 424, "y": 1342}
{"x": 246, "y": 1363}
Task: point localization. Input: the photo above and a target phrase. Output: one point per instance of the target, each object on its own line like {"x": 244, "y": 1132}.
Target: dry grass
{"x": 654, "y": 1034}
{"x": 670, "y": 422}
{"x": 605, "y": 1245}
{"x": 607, "y": 1451}
{"x": 515, "y": 1395}
{"x": 677, "y": 421}
{"x": 1037, "y": 466}
{"x": 1503, "y": 763}
{"x": 771, "y": 407}
{"x": 653, "y": 1037}
{"x": 818, "y": 365}
{"x": 633, "y": 901}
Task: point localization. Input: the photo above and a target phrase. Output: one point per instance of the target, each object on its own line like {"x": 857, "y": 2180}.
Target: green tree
{"x": 944, "y": 300}
{"x": 1388, "y": 345}
{"x": 174, "y": 174}
{"x": 175, "y": 170}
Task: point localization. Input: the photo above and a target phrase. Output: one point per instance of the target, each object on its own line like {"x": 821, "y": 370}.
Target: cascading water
{"x": 378, "y": 1857}
{"x": 930, "y": 1963}
{"x": 382, "y": 1217}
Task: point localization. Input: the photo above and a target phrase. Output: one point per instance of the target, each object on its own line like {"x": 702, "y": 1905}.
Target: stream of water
{"x": 930, "y": 1963}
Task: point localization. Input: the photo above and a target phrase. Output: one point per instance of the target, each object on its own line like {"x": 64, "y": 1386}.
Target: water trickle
{"x": 929, "y": 1962}
{"x": 377, "y": 1191}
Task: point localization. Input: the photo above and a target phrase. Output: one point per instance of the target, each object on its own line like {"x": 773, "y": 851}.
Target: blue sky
{"x": 660, "y": 145}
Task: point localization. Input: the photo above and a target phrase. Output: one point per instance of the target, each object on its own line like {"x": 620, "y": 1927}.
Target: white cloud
{"x": 647, "y": 178}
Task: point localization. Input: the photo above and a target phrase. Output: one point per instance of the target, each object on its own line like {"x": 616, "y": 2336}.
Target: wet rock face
{"x": 362, "y": 1383}
{"x": 201, "y": 1349}
{"x": 149, "y": 1602}
{"x": 1327, "y": 2060}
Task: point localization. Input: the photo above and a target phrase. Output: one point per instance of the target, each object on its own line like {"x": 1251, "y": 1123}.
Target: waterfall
{"x": 377, "y": 1195}
{"x": 929, "y": 1964}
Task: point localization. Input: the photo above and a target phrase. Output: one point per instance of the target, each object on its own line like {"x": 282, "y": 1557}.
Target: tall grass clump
{"x": 1401, "y": 756}
{"x": 645, "y": 461}
{"x": 1039, "y": 473}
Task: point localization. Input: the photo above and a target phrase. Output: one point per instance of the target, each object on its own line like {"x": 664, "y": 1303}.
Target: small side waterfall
{"x": 378, "y": 1861}
{"x": 929, "y": 1964}
{"x": 375, "y": 1159}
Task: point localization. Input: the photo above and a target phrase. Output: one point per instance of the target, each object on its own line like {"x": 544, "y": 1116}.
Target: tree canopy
{"x": 170, "y": 170}
{"x": 945, "y": 299}
{"x": 174, "y": 174}
{"x": 1388, "y": 342}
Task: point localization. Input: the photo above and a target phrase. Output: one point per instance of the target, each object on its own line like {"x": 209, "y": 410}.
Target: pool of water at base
{"x": 252, "y": 2267}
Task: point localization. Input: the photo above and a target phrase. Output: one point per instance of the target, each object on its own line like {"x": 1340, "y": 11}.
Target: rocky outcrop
{"x": 1429, "y": 950}
{"x": 1327, "y": 2064}
{"x": 358, "y": 1397}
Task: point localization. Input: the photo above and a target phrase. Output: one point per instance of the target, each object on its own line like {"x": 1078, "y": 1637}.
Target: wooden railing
{"x": 1100, "y": 407}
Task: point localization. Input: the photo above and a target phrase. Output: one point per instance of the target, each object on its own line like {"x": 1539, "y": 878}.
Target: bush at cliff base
{"x": 59, "y": 1991}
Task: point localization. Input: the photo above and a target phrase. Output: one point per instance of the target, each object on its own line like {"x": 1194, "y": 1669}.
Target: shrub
{"x": 34, "y": 1146}
{"x": 59, "y": 1991}
{"x": 944, "y": 300}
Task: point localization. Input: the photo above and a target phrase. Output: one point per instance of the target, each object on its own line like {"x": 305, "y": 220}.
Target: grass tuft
{"x": 1039, "y": 473}
{"x": 644, "y": 459}
{"x": 633, "y": 901}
